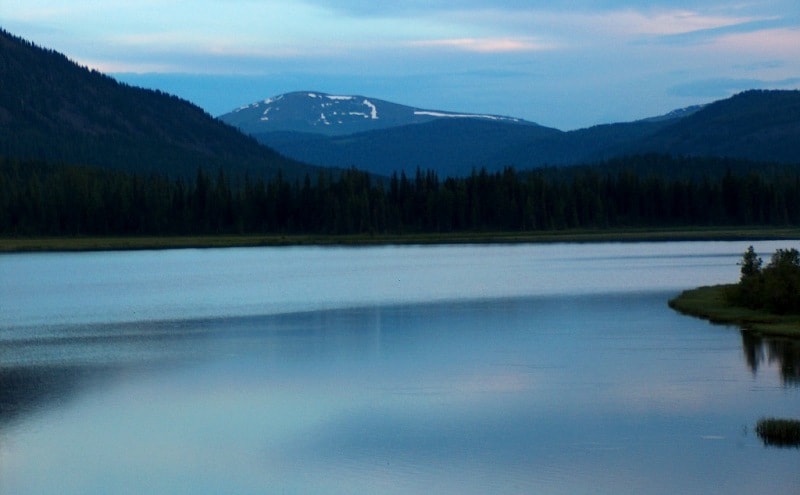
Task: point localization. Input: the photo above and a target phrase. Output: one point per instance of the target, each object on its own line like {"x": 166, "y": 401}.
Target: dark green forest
{"x": 38, "y": 198}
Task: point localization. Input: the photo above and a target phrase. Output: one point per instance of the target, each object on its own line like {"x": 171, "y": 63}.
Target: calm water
{"x": 449, "y": 369}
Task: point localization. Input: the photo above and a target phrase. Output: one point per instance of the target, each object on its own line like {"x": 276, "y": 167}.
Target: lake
{"x": 553, "y": 368}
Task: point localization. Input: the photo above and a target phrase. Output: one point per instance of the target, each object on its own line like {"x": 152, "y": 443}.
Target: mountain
{"x": 336, "y": 115}
{"x": 754, "y": 125}
{"x": 54, "y": 110}
{"x": 451, "y": 147}
{"x": 378, "y": 136}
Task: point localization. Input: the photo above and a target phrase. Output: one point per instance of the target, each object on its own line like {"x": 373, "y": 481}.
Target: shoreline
{"x": 17, "y": 244}
{"x": 710, "y": 303}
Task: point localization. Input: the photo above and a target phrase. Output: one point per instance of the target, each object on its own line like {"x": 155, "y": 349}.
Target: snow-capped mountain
{"x": 333, "y": 115}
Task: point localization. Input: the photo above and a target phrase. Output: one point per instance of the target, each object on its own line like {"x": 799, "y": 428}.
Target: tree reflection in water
{"x": 785, "y": 353}
{"x": 25, "y": 389}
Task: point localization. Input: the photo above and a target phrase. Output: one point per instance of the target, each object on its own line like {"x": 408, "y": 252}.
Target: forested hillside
{"x": 41, "y": 199}
{"x": 753, "y": 125}
{"x": 51, "y": 109}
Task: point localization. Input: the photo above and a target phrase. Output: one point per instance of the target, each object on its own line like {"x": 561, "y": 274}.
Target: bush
{"x": 782, "y": 282}
{"x": 775, "y": 288}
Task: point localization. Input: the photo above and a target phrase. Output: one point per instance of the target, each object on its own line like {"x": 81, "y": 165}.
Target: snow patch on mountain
{"x": 373, "y": 109}
{"x": 268, "y": 101}
{"x": 463, "y": 115}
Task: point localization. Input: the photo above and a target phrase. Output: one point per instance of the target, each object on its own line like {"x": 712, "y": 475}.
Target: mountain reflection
{"x": 785, "y": 353}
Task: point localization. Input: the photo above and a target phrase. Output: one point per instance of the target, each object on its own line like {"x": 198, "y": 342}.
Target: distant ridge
{"x": 54, "y": 110}
{"x": 675, "y": 114}
{"x": 754, "y": 125}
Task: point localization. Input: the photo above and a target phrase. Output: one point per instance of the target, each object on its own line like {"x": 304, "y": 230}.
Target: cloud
{"x": 392, "y": 8}
{"x": 761, "y": 65}
{"x": 726, "y": 30}
{"x": 784, "y": 42}
{"x": 485, "y": 45}
{"x": 405, "y": 8}
{"x": 588, "y": 29}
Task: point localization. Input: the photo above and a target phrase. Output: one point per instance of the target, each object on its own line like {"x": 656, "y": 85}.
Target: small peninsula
{"x": 766, "y": 300}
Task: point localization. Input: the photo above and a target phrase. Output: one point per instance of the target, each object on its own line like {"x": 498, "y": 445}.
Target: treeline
{"x": 42, "y": 199}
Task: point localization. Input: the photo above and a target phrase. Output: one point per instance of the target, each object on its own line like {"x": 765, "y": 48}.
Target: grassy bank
{"x": 712, "y": 304}
{"x": 88, "y": 243}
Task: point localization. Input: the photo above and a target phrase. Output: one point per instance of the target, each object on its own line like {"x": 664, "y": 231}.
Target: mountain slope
{"x": 754, "y": 125}
{"x": 336, "y": 115}
{"x": 451, "y": 147}
{"x": 54, "y": 110}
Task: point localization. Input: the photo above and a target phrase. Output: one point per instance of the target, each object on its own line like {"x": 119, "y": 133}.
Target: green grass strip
{"x": 711, "y": 303}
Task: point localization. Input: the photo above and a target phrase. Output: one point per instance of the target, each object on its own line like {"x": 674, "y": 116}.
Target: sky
{"x": 560, "y": 63}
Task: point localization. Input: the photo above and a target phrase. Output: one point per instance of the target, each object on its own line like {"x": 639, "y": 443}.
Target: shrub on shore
{"x": 774, "y": 288}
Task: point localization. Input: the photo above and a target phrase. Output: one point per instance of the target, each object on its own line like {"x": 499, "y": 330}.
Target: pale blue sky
{"x": 565, "y": 64}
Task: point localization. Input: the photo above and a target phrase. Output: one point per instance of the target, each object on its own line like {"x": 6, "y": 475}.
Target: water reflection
{"x": 24, "y": 390}
{"x": 781, "y": 353}
{"x": 50, "y": 366}
{"x": 491, "y": 370}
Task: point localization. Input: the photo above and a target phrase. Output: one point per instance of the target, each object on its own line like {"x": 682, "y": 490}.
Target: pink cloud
{"x": 486, "y": 45}
{"x": 772, "y": 42}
